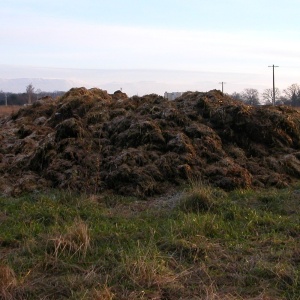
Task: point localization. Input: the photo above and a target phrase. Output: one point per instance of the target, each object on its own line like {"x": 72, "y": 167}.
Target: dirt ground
{"x": 91, "y": 141}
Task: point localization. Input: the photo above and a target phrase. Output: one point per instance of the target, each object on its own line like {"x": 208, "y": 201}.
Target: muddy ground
{"x": 91, "y": 141}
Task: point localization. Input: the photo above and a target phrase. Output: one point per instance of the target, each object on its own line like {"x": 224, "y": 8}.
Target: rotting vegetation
{"x": 90, "y": 141}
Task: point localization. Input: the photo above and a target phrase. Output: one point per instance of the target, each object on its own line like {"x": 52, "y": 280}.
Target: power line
{"x": 273, "y": 82}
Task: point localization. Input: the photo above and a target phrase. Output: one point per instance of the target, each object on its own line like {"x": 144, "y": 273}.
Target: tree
{"x": 291, "y": 90}
{"x": 2, "y": 97}
{"x": 283, "y": 101}
{"x": 236, "y": 96}
{"x": 295, "y": 100}
{"x": 38, "y": 93}
{"x": 250, "y": 97}
{"x": 268, "y": 95}
{"x": 30, "y": 91}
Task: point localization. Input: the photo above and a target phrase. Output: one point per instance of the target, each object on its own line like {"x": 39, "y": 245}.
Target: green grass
{"x": 212, "y": 245}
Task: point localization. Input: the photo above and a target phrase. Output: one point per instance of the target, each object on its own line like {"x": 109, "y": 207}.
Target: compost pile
{"x": 91, "y": 141}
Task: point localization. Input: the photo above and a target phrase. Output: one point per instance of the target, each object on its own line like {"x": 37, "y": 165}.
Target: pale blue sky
{"x": 222, "y": 37}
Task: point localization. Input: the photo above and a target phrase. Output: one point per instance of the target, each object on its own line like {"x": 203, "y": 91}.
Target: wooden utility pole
{"x": 273, "y": 82}
{"x": 5, "y": 99}
{"x": 222, "y": 85}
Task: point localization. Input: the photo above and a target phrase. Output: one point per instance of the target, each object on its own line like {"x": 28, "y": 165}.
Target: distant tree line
{"x": 28, "y": 97}
{"x": 289, "y": 96}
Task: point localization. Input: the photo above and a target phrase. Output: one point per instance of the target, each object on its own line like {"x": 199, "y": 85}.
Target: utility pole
{"x": 5, "y": 99}
{"x": 273, "y": 82}
{"x": 222, "y": 85}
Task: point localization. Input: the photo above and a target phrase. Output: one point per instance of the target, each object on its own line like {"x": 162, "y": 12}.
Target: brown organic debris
{"x": 90, "y": 141}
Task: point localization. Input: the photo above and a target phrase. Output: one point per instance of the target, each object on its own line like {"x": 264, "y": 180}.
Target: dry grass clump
{"x": 199, "y": 198}
{"x": 75, "y": 242}
{"x": 146, "y": 268}
{"x": 103, "y": 293}
{"x": 8, "y": 282}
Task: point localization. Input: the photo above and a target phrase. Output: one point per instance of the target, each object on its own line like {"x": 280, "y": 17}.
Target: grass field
{"x": 208, "y": 245}
{"x": 7, "y": 110}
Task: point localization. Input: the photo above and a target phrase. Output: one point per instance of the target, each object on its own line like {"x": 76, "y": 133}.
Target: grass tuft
{"x": 199, "y": 198}
{"x": 75, "y": 242}
{"x": 103, "y": 293}
{"x": 8, "y": 282}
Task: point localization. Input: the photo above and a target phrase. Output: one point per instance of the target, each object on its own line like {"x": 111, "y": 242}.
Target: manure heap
{"x": 90, "y": 141}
